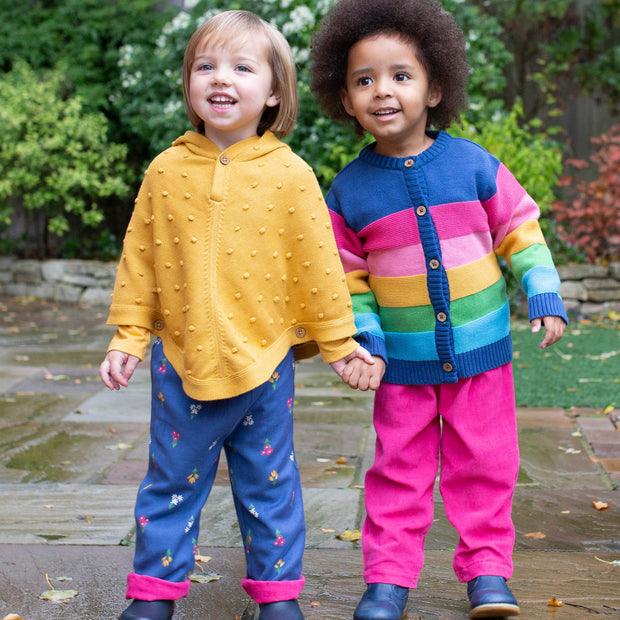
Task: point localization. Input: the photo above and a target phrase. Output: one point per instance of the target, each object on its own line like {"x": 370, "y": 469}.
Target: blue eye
{"x": 205, "y": 67}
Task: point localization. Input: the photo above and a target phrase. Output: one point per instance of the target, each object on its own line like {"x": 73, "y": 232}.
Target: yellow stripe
{"x": 524, "y": 236}
{"x": 411, "y": 290}
{"x": 357, "y": 281}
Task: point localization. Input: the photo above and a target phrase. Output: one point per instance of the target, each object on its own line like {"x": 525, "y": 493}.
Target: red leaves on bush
{"x": 589, "y": 214}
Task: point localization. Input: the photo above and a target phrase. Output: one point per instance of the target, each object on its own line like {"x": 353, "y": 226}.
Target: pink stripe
{"x": 397, "y": 229}
{"x": 510, "y": 206}
{"x": 352, "y": 262}
{"x": 345, "y": 237}
{"x": 407, "y": 261}
{"x": 457, "y": 219}
{"x": 461, "y": 251}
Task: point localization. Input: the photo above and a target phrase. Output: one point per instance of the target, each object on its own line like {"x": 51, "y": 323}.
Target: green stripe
{"x": 537, "y": 255}
{"x": 464, "y": 310}
{"x": 364, "y": 302}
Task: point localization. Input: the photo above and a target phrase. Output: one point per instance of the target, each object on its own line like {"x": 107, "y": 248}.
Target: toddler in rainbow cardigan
{"x": 420, "y": 218}
{"x": 230, "y": 261}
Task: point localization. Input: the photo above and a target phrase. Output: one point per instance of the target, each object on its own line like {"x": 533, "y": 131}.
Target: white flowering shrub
{"x": 150, "y": 101}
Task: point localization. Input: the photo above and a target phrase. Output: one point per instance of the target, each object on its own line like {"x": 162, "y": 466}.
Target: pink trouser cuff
{"x": 273, "y": 591}
{"x": 147, "y": 588}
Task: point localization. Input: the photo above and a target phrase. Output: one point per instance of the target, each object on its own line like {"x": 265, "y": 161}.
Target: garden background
{"x": 90, "y": 91}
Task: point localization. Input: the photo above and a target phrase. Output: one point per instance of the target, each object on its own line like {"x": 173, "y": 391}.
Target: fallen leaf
{"x": 49, "y": 507}
{"x": 120, "y": 446}
{"x": 600, "y": 505}
{"x": 349, "y": 535}
{"x": 613, "y": 562}
{"x": 321, "y": 460}
{"x": 204, "y": 577}
{"x": 327, "y": 531}
{"x": 315, "y": 604}
{"x": 608, "y": 409}
{"x": 202, "y": 558}
{"x": 341, "y": 461}
{"x": 58, "y": 596}
{"x": 565, "y": 512}
{"x": 50, "y": 377}
{"x": 536, "y": 535}
{"x": 12, "y": 617}
{"x": 553, "y": 602}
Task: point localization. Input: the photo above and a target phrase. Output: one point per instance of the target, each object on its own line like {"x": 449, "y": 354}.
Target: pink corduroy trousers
{"x": 467, "y": 431}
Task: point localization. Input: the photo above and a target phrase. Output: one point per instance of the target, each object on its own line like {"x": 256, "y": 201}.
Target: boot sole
{"x": 494, "y": 610}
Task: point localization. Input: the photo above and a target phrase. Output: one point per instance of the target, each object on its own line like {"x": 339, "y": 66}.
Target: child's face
{"x": 230, "y": 87}
{"x": 387, "y": 90}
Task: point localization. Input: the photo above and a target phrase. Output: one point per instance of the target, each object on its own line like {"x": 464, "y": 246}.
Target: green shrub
{"x": 528, "y": 151}
{"x": 55, "y": 158}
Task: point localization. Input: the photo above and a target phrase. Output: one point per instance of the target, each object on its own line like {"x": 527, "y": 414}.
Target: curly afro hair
{"x": 439, "y": 43}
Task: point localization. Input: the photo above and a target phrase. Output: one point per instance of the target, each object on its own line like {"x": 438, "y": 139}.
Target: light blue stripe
{"x": 479, "y": 333}
{"x": 370, "y": 323}
{"x": 539, "y": 280}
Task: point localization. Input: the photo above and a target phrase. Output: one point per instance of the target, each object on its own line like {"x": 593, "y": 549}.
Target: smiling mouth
{"x": 220, "y": 101}
{"x": 386, "y": 112}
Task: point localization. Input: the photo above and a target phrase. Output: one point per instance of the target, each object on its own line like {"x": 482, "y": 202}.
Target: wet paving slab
{"x": 72, "y": 454}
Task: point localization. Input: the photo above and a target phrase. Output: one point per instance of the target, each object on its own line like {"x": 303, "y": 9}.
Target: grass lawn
{"x": 581, "y": 370}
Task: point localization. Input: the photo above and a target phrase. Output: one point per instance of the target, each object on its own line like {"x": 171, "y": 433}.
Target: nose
{"x": 383, "y": 87}
{"x": 221, "y": 76}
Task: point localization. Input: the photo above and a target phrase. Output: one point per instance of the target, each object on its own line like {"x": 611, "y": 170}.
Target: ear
{"x": 273, "y": 100}
{"x": 434, "y": 97}
{"x": 346, "y": 102}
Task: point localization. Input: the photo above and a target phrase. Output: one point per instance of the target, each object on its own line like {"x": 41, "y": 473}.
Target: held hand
{"x": 361, "y": 353}
{"x": 554, "y": 329}
{"x": 360, "y": 375}
{"x": 117, "y": 368}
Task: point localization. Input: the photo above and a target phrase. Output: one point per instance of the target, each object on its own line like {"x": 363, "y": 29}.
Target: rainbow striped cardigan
{"x": 419, "y": 239}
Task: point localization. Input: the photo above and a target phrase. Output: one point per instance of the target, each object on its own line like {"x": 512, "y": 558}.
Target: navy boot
{"x": 382, "y": 601}
{"x": 490, "y": 597}
{"x": 280, "y": 610}
{"x": 148, "y": 610}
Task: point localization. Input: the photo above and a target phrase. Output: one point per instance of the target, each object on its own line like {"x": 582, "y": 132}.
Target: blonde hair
{"x": 226, "y": 28}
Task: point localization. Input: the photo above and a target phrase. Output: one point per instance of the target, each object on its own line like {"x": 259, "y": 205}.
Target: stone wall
{"x": 77, "y": 281}
{"x": 588, "y": 290}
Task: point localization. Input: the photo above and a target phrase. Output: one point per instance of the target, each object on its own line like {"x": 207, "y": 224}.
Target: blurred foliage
{"x": 587, "y": 214}
{"x": 122, "y": 60}
{"x": 55, "y": 156}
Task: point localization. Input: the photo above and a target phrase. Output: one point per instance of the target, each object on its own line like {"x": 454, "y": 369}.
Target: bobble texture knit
{"x": 419, "y": 239}
{"x": 230, "y": 259}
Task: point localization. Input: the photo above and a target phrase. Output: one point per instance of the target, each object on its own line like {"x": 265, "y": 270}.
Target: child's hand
{"x": 360, "y": 375}
{"x": 554, "y": 329}
{"x": 361, "y": 353}
{"x": 117, "y": 368}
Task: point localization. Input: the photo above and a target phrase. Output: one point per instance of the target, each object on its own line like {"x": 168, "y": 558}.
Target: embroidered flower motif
{"x": 278, "y": 565}
{"x": 273, "y": 477}
{"x": 274, "y": 379}
{"x": 267, "y": 450}
{"x": 253, "y": 511}
{"x": 167, "y": 559}
{"x": 289, "y": 404}
{"x": 279, "y": 541}
{"x": 163, "y": 368}
{"x": 175, "y": 500}
{"x": 175, "y": 438}
{"x": 190, "y": 524}
{"x": 248, "y": 541}
{"x": 194, "y": 408}
{"x": 193, "y": 476}
{"x": 248, "y": 420}
{"x": 162, "y": 400}
{"x": 142, "y": 520}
